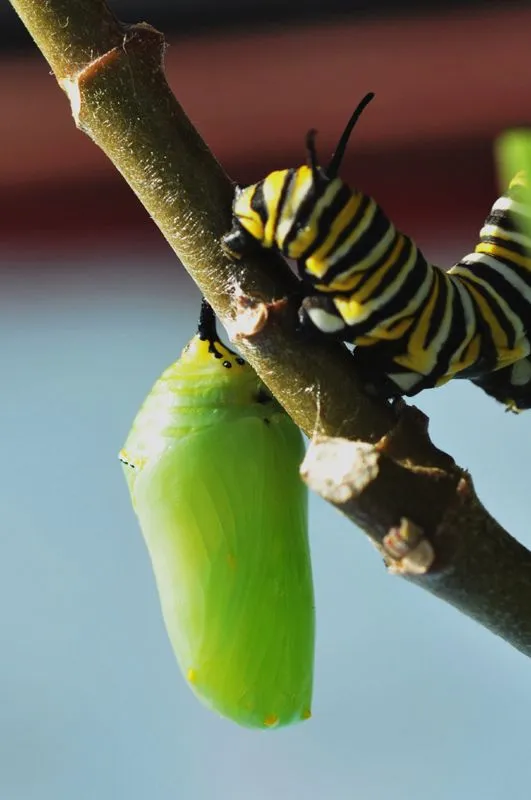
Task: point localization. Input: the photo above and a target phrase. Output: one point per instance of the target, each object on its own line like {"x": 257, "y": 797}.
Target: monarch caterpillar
{"x": 212, "y": 465}
{"x": 414, "y": 325}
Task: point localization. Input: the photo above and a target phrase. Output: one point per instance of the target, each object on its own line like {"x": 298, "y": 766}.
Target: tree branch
{"x": 410, "y": 498}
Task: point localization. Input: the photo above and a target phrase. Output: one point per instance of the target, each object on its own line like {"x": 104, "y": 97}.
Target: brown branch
{"x": 457, "y": 550}
{"x": 408, "y": 496}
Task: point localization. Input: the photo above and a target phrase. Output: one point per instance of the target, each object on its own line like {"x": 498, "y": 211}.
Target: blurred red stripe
{"x": 445, "y": 87}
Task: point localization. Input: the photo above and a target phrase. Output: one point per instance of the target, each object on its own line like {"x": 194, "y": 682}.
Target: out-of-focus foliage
{"x": 513, "y": 150}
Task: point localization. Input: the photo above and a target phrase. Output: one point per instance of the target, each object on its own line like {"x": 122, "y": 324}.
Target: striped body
{"x": 415, "y": 325}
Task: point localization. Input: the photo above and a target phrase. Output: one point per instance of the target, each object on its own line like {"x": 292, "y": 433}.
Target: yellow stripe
{"x": 346, "y": 285}
{"x": 498, "y": 334}
{"x": 300, "y": 186}
{"x": 444, "y": 379}
{"x": 469, "y": 356}
{"x": 337, "y": 227}
{"x": 364, "y": 224}
{"x": 390, "y": 332}
{"x": 350, "y": 282}
{"x": 494, "y": 230}
{"x": 344, "y": 280}
{"x": 248, "y": 218}
{"x": 418, "y": 357}
{"x": 309, "y": 232}
{"x": 272, "y": 190}
{"x": 386, "y": 332}
{"x": 352, "y": 311}
{"x": 500, "y": 252}
{"x": 373, "y": 282}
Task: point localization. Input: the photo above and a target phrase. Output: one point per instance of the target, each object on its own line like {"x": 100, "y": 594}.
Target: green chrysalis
{"x": 212, "y": 464}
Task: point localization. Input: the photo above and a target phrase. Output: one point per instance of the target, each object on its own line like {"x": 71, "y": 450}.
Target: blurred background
{"x": 412, "y": 700}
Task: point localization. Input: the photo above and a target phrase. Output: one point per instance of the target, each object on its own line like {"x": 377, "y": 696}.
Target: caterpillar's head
{"x": 261, "y": 213}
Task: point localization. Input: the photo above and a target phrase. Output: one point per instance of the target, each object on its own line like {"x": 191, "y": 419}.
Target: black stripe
{"x": 513, "y": 247}
{"x": 514, "y": 299}
{"x": 358, "y": 251}
{"x": 325, "y": 220}
{"x": 304, "y": 211}
{"x": 385, "y": 279}
{"x": 512, "y": 296}
{"x": 393, "y": 273}
{"x": 456, "y": 335}
{"x": 439, "y": 309}
{"x": 286, "y": 185}
{"x": 396, "y": 303}
{"x": 503, "y": 220}
{"x": 522, "y": 272}
{"x": 495, "y": 309}
{"x": 408, "y": 289}
{"x": 331, "y": 272}
{"x": 509, "y": 219}
{"x": 499, "y": 385}
{"x": 258, "y": 204}
{"x": 488, "y": 356}
{"x": 354, "y": 221}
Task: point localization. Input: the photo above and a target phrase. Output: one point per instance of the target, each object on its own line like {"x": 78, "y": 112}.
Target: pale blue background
{"x": 412, "y": 700}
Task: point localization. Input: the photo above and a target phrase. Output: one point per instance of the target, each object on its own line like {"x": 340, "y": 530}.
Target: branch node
{"x": 251, "y": 318}
{"x": 406, "y": 549}
{"x": 338, "y": 469}
{"x": 409, "y": 442}
{"x": 140, "y": 38}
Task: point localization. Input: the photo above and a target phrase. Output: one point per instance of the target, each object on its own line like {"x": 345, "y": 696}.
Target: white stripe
{"x": 324, "y": 321}
{"x": 363, "y": 225}
{"x": 508, "y": 204}
{"x": 508, "y": 274}
{"x": 469, "y": 315}
{"x": 444, "y": 330}
{"x": 503, "y": 234}
{"x": 370, "y": 259}
{"x": 381, "y": 299}
{"x": 296, "y": 194}
{"x": 514, "y": 320}
{"x": 521, "y": 373}
{"x": 404, "y": 380}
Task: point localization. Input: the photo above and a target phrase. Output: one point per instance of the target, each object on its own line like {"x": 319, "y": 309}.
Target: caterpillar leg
{"x": 319, "y": 312}
{"x": 510, "y": 385}
{"x": 381, "y": 375}
{"x": 237, "y": 242}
